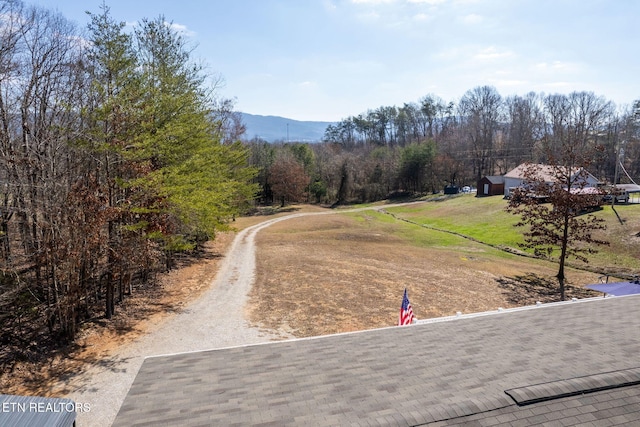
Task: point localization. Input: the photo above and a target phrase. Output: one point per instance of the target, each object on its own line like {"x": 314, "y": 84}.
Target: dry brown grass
{"x": 329, "y": 274}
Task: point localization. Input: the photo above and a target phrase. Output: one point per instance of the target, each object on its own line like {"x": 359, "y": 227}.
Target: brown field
{"x": 329, "y": 274}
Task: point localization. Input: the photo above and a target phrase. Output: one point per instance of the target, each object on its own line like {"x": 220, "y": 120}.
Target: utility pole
{"x": 615, "y": 177}
{"x": 614, "y": 192}
{"x": 619, "y": 157}
{"x": 287, "y": 133}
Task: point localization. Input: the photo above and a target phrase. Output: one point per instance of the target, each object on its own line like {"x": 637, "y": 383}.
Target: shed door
{"x": 486, "y": 189}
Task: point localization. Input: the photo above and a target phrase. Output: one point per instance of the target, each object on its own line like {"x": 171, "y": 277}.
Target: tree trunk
{"x": 4, "y": 237}
{"x": 109, "y": 300}
{"x": 110, "y": 297}
{"x": 563, "y": 256}
{"x": 561, "y": 279}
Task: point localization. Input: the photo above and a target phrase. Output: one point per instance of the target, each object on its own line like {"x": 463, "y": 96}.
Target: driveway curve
{"x": 214, "y": 320}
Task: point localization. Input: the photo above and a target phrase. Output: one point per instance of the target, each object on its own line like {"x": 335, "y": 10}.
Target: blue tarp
{"x": 617, "y": 288}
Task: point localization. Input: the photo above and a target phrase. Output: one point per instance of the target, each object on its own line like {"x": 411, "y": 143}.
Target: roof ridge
{"x": 536, "y": 393}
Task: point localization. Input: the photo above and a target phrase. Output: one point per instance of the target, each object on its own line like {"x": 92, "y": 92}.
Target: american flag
{"x": 406, "y": 312}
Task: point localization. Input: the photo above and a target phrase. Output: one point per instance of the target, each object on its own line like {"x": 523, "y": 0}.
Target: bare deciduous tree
{"x": 552, "y": 205}
{"x": 288, "y": 179}
{"x": 480, "y": 112}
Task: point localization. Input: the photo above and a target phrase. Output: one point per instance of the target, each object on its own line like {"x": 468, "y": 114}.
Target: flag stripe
{"x": 406, "y": 311}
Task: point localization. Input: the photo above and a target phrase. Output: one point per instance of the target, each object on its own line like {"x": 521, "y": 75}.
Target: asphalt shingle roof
{"x": 443, "y": 373}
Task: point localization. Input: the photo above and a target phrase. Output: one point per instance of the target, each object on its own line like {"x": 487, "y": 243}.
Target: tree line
{"x": 424, "y": 146}
{"x": 115, "y": 155}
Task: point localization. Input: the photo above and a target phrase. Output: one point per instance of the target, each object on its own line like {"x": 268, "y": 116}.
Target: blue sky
{"x": 330, "y": 59}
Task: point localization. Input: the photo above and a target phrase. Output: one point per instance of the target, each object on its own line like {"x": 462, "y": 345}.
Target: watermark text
{"x": 43, "y": 407}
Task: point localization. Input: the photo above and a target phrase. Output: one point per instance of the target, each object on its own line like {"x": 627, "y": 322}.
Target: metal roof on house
{"x": 545, "y": 172}
{"x": 557, "y": 364}
{"x": 629, "y": 188}
{"x": 21, "y": 411}
{"x": 495, "y": 179}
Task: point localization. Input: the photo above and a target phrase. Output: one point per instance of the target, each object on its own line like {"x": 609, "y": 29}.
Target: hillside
{"x": 275, "y": 128}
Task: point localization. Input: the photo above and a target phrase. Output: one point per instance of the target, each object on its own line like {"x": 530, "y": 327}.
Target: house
{"x": 491, "y": 186}
{"x": 516, "y": 177}
{"x": 571, "y": 363}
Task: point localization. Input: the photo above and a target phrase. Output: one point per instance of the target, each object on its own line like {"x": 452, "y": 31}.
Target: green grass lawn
{"x": 414, "y": 234}
{"x": 484, "y": 219}
{"x": 624, "y": 239}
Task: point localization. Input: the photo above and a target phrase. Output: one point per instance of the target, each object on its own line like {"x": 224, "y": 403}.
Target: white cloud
{"x": 449, "y": 54}
{"x": 421, "y": 17}
{"x": 557, "y": 85}
{"x": 509, "y": 83}
{"x": 555, "y": 65}
{"x": 370, "y": 16}
{"x": 554, "y": 69}
{"x": 330, "y": 6}
{"x": 178, "y": 28}
{"x": 372, "y": 1}
{"x": 492, "y": 53}
{"x": 429, "y": 2}
{"x": 471, "y": 19}
{"x": 181, "y": 29}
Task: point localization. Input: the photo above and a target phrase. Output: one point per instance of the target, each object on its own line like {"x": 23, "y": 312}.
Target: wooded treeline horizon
{"x": 116, "y": 154}
{"x": 427, "y": 145}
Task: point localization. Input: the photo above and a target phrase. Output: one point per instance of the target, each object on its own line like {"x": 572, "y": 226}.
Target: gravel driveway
{"x": 215, "y": 320}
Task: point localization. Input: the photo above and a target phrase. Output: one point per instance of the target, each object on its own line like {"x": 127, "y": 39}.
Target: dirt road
{"x": 215, "y": 320}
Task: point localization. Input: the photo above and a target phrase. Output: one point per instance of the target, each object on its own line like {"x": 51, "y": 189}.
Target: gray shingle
{"x": 454, "y": 370}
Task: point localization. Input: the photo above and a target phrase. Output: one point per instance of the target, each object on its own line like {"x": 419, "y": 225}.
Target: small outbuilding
{"x": 491, "y": 186}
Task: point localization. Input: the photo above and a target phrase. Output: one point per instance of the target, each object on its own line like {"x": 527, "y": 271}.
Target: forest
{"x": 425, "y": 146}
{"x": 117, "y": 155}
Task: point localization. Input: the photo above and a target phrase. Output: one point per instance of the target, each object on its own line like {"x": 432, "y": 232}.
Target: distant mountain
{"x": 274, "y": 128}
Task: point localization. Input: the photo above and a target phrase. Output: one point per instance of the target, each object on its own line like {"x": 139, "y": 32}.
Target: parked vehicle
{"x": 621, "y": 196}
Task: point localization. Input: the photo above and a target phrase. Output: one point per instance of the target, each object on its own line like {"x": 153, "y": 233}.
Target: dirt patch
{"x": 323, "y": 275}
{"x": 527, "y": 289}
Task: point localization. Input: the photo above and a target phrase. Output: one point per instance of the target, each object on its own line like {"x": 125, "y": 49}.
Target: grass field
{"x": 345, "y": 272}
{"x": 485, "y": 220}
